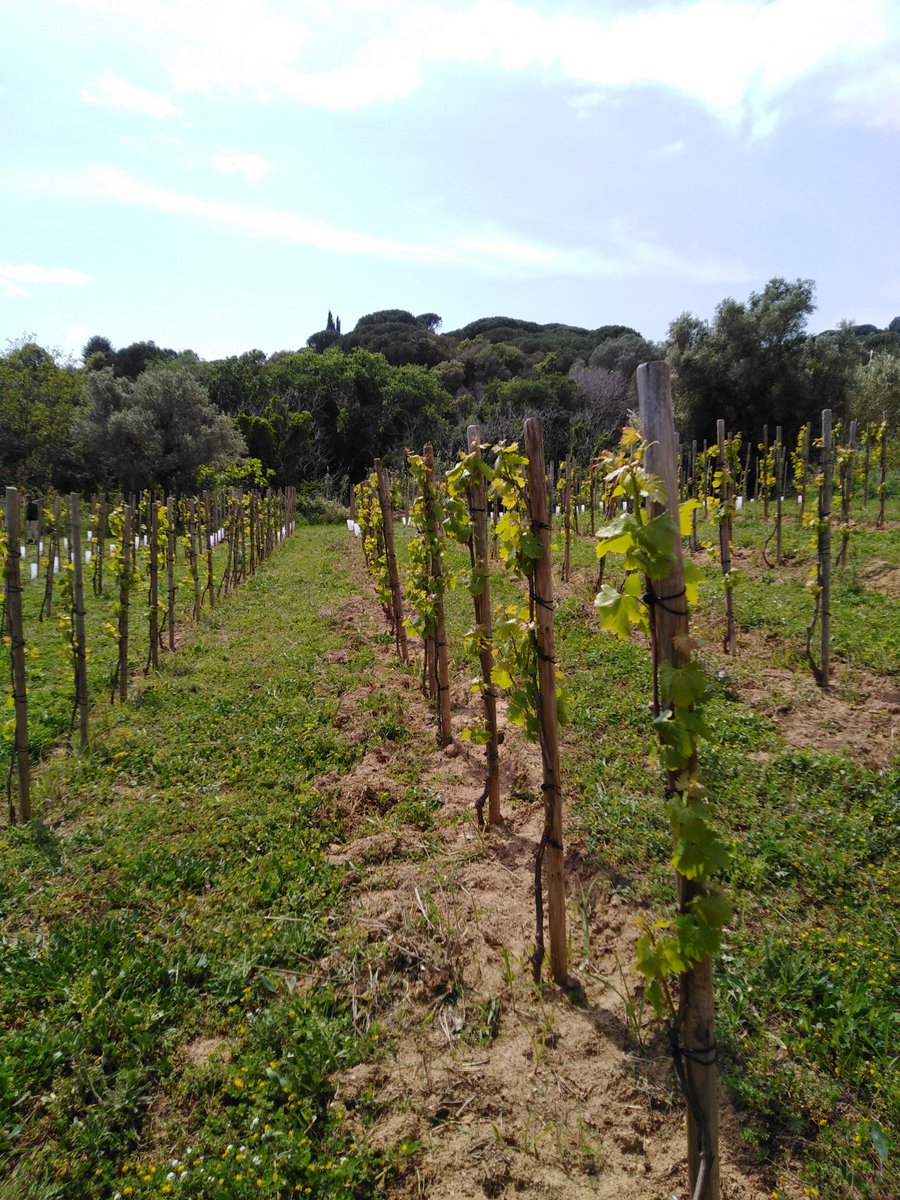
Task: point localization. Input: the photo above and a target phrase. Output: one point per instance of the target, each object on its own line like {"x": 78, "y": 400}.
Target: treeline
{"x": 143, "y": 415}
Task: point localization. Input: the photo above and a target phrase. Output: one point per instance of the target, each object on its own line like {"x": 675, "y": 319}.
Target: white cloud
{"x": 737, "y": 58}
{"x": 670, "y": 150}
{"x": 251, "y": 166}
{"x": 111, "y": 92}
{"x": 615, "y": 250}
{"x": 13, "y": 275}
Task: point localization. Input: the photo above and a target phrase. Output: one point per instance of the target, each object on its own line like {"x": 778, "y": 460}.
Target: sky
{"x": 218, "y": 175}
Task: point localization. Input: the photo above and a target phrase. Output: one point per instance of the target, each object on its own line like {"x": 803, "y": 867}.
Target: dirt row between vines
{"x": 490, "y": 1085}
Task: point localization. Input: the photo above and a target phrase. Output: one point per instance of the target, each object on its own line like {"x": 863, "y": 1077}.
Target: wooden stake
{"x": 484, "y": 620}
{"x": 387, "y": 514}
{"x": 153, "y": 656}
{"x": 567, "y": 517}
{"x": 79, "y": 645}
{"x": 824, "y": 548}
{"x": 726, "y": 499}
{"x": 445, "y": 731}
{"x": 670, "y": 631}
{"x": 550, "y": 850}
{"x": 170, "y": 570}
{"x": 195, "y": 549}
{"x": 124, "y": 601}
{"x": 16, "y": 627}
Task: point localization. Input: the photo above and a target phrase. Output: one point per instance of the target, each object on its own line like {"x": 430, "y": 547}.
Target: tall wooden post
{"x": 670, "y": 634}
{"x": 80, "y": 644}
{"x": 779, "y": 489}
{"x": 101, "y": 547}
{"x": 804, "y": 479}
{"x": 124, "y": 602}
{"x": 53, "y": 548}
{"x": 764, "y": 472}
{"x": 882, "y": 486}
{"x": 153, "y": 656}
{"x": 824, "y": 547}
{"x": 846, "y": 492}
{"x": 387, "y": 513}
{"x": 484, "y": 620}
{"x": 170, "y": 570}
{"x": 16, "y": 628}
{"x": 210, "y": 538}
{"x": 193, "y": 534}
{"x": 567, "y": 517}
{"x": 551, "y": 846}
{"x": 436, "y": 534}
{"x": 726, "y": 499}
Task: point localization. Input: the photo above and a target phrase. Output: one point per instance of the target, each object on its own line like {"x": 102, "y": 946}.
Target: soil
{"x": 492, "y": 1085}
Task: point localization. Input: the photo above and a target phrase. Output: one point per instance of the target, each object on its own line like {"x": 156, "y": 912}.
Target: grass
{"x": 174, "y": 892}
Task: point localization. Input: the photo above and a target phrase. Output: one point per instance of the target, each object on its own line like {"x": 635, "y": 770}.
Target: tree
{"x": 38, "y": 398}
{"x": 158, "y": 430}
{"x": 754, "y": 364}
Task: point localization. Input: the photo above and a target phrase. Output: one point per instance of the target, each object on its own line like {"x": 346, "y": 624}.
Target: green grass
{"x": 174, "y": 887}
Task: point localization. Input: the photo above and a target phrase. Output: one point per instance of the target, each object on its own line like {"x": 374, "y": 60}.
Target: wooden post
{"x": 550, "y": 849}
{"x": 824, "y": 547}
{"x": 779, "y": 488}
{"x": 882, "y": 487}
{"x": 846, "y": 492}
{"x": 153, "y": 656}
{"x": 764, "y": 472}
{"x": 484, "y": 620}
{"x": 669, "y": 624}
{"x": 592, "y": 493}
{"x": 195, "y": 553}
{"x": 384, "y": 498}
{"x": 97, "y": 574}
{"x": 726, "y": 499}
{"x": 695, "y": 541}
{"x": 567, "y": 518}
{"x": 53, "y": 547}
{"x": 170, "y": 570}
{"x": 16, "y": 627}
{"x": 210, "y": 537}
{"x": 804, "y": 480}
{"x": 124, "y": 601}
{"x": 866, "y": 465}
{"x": 445, "y": 731}
{"x": 79, "y": 642}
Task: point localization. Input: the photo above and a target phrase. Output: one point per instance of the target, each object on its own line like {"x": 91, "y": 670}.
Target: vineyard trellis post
{"x": 669, "y": 626}
{"x": 15, "y": 625}
{"x": 79, "y": 645}
{"x": 387, "y": 513}
{"x": 477, "y": 499}
{"x": 824, "y": 551}
{"x": 153, "y": 648}
{"x": 125, "y": 576}
{"x": 726, "y": 500}
{"x": 550, "y": 850}
{"x": 170, "y": 570}
{"x": 436, "y": 533}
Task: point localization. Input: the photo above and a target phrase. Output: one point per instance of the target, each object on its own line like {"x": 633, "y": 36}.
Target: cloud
{"x": 13, "y": 275}
{"x": 737, "y": 58}
{"x": 110, "y": 92}
{"x": 613, "y": 251}
{"x": 251, "y": 166}
{"x": 670, "y": 150}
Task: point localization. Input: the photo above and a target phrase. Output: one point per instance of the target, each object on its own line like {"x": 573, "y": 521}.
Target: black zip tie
{"x": 650, "y": 597}
{"x": 544, "y": 603}
{"x": 706, "y": 1057}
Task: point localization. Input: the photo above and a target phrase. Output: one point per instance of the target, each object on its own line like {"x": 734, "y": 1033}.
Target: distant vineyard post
{"x": 79, "y": 646}
{"x": 435, "y": 537}
{"x": 16, "y": 629}
{"x": 477, "y": 500}
{"x": 384, "y": 497}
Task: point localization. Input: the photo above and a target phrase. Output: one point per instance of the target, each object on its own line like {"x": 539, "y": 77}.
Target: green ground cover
{"x": 173, "y": 892}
